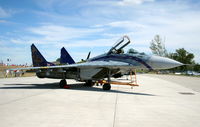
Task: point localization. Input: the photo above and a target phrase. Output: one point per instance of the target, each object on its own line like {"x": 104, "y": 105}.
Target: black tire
{"x": 106, "y": 86}
{"x": 62, "y": 83}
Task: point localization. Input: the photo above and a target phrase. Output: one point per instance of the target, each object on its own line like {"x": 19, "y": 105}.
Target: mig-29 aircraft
{"x": 99, "y": 67}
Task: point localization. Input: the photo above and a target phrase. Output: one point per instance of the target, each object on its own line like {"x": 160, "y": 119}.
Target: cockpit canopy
{"x": 119, "y": 45}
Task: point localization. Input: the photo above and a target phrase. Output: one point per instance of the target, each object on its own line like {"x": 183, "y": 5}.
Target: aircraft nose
{"x": 157, "y": 62}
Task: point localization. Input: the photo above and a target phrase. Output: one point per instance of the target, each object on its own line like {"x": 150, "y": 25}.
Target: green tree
{"x": 183, "y": 56}
{"x": 197, "y": 67}
{"x": 157, "y": 46}
{"x": 58, "y": 60}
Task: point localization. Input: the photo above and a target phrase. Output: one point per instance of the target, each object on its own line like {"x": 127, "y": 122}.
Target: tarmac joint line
{"x": 115, "y": 110}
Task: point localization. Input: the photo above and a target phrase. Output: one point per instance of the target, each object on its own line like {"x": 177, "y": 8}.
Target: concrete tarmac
{"x": 157, "y": 102}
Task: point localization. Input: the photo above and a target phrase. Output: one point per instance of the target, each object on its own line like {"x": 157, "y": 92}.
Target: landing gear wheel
{"x": 89, "y": 83}
{"x": 62, "y": 83}
{"x": 106, "y": 86}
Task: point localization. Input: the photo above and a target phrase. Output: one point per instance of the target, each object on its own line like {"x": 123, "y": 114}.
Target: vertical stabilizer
{"x": 37, "y": 58}
{"x": 65, "y": 58}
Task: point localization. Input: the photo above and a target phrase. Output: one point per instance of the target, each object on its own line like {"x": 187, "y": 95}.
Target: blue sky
{"x": 94, "y": 25}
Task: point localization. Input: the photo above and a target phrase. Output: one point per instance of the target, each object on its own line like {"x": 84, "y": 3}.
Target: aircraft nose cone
{"x": 158, "y": 62}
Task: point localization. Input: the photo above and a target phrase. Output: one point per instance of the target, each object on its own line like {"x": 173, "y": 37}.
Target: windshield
{"x": 119, "y": 45}
{"x": 133, "y": 51}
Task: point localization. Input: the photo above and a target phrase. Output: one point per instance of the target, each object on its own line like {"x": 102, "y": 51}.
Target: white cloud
{"x": 90, "y": 43}
{"x": 128, "y": 25}
{"x": 132, "y": 2}
{"x": 4, "y": 13}
{"x": 3, "y": 21}
{"x": 61, "y": 33}
{"x": 118, "y": 2}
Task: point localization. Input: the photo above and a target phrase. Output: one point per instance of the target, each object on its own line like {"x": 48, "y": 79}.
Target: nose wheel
{"x": 106, "y": 86}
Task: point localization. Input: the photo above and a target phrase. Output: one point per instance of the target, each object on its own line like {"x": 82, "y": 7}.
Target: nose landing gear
{"x": 106, "y": 86}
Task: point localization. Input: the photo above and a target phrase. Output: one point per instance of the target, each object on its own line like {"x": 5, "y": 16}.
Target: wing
{"x": 94, "y": 64}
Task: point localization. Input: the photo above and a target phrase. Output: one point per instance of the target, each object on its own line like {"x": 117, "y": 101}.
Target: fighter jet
{"x": 99, "y": 67}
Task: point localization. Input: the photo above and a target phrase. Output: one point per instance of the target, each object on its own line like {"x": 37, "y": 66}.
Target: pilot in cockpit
{"x": 120, "y": 51}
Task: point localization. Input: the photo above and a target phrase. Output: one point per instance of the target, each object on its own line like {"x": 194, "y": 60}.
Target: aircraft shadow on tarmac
{"x": 78, "y": 86}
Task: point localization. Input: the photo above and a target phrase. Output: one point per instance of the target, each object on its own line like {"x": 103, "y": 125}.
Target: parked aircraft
{"x": 99, "y": 67}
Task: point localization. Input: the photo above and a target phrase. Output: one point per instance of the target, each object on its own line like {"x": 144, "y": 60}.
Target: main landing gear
{"x": 107, "y": 85}
{"x": 89, "y": 83}
{"x": 63, "y": 84}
